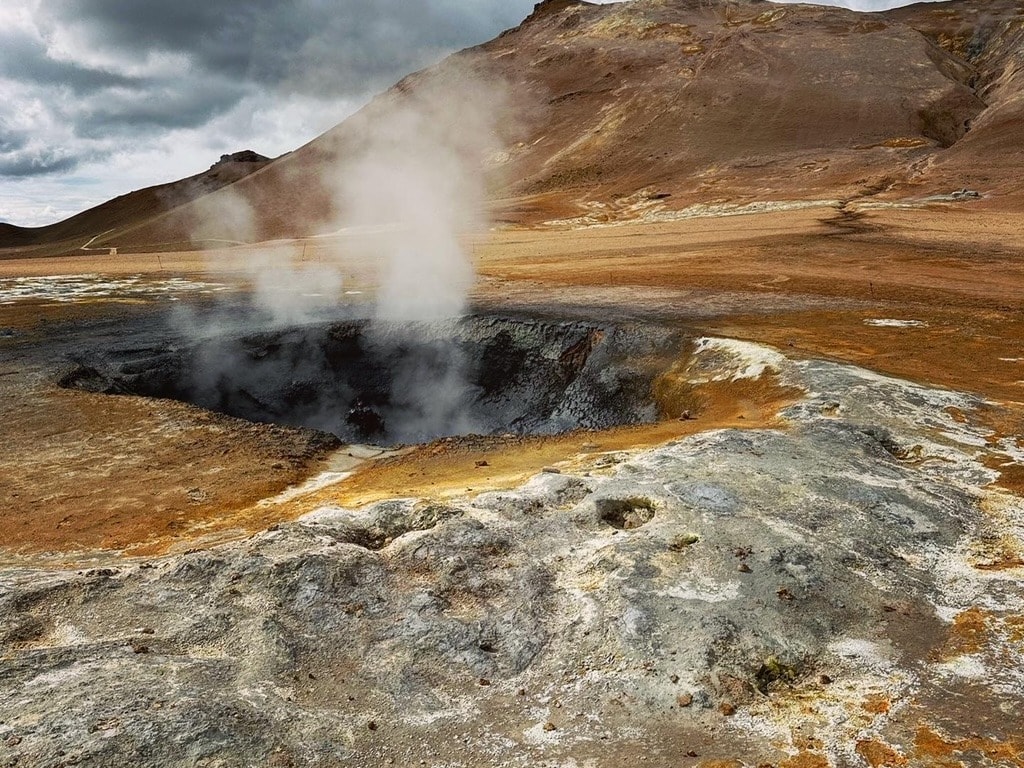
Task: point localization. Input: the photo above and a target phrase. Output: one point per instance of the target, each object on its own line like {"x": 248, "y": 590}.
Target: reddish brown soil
{"x": 84, "y": 471}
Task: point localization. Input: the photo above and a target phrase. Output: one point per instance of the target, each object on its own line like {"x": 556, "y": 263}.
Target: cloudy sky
{"x": 100, "y": 97}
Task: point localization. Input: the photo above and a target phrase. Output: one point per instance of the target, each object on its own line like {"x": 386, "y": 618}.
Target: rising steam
{"x": 417, "y": 183}
{"x": 407, "y": 185}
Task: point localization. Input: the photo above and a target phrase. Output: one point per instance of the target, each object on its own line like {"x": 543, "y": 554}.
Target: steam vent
{"x": 404, "y": 383}
{"x": 642, "y": 386}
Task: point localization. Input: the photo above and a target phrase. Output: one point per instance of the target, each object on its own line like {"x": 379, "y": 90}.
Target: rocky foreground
{"x": 847, "y": 591}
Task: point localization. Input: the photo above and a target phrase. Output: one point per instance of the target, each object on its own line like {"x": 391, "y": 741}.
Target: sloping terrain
{"x": 661, "y": 104}
{"x": 113, "y": 216}
{"x": 841, "y": 590}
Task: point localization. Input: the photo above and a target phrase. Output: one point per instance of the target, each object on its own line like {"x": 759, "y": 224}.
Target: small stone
{"x": 681, "y": 542}
{"x": 140, "y": 648}
{"x": 825, "y": 680}
{"x": 692, "y": 753}
{"x": 684, "y": 699}
{"x": 549, "y": 726}
{"x": 484, "y": 681}
{"x": 784, "y": 594}
{"x": 13, "y": 741}
{"x": 674, "y": 678}
{"x": 686, "y": 416}
{"x": 482, "y": 463}
{"x": 372, "y": 725}
{"x": 551, "y": 470}
{"x": 727, "y": 708}
{"x": 743, "y": 568}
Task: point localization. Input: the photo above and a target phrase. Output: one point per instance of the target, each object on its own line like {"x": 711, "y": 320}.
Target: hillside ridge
{"x": 628, "y": 109}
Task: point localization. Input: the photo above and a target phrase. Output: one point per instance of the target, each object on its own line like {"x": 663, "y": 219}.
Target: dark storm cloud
{"x": 22, "y": 163}
{"x": 330, "y": 47}
{"x": 25, "y": 60}
{"x": 133, "y": 112}
{"x": 98, "y": 76}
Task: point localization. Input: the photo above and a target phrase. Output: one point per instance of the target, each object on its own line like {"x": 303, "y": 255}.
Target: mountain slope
{"x": 678, "y": 102}
{"x": 134, "y": 207}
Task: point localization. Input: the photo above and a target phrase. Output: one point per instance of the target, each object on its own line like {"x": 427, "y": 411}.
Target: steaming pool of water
{"x": 390, "y": 384}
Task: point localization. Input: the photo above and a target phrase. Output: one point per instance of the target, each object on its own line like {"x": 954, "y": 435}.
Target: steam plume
{"x": 416, "y": 181}
{"x": 408, "y": 184}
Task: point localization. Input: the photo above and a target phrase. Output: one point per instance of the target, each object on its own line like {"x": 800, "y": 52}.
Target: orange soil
{"x": 959, "y": 269}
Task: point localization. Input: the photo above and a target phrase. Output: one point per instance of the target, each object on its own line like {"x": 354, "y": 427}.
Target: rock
{"x": 727, "y": 708}
{"x": 551, "y": 470}
{"x": 965, "y": 194}
{"x": 245, "y": 156}
{"x": 385, "y": 613}
{"x": 683, "y": 542}
{"x": 549, "y": 726}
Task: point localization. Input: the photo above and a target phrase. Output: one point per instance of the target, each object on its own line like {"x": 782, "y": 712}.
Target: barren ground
{"x": 85, "y": 472}
{"x": 932, "y": 295}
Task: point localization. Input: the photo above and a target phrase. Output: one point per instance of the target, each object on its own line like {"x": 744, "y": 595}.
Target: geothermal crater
{"x": 366, "y": 381}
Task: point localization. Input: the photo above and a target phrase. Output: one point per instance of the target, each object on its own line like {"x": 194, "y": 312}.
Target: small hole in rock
{"x": 626, "y": 514}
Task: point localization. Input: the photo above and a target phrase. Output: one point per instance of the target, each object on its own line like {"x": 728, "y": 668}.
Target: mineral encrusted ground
{"x": 825, "y": 594}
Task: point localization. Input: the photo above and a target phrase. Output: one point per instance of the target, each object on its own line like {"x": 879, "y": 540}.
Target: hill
{"x": 128, "y": 209}
{"x": 629, "y": 109}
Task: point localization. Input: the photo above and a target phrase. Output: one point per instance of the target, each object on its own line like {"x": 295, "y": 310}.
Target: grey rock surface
{"x": 669, "y": 604}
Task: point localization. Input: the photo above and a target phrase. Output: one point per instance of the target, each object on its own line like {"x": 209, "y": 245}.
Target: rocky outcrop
{"x": 761, "y": 595}
{"x": 245, "y": 156}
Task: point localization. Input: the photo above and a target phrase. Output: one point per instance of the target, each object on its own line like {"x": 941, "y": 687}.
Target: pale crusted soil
{"x": 880, "y": 613}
